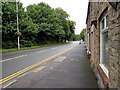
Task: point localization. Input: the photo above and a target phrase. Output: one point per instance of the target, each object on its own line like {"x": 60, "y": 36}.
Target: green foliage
{"x": 68, "y": 25}
{"x": 82, "y": 34}
{"x": 40, "y": 24}
{"x": 62, "y": 14}
{"x": 76, "y": 37}
{"x": 8, "y": 24}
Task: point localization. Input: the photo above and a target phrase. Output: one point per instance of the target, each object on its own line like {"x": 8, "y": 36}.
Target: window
{"x": 104, "y": 43}
{"x": 107, "y": 21}
{"x": 103, "y": 24}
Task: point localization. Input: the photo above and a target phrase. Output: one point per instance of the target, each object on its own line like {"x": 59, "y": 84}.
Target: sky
{"x": 77, "y": 9}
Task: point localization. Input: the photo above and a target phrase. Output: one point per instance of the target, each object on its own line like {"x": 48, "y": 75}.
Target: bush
{"x": 9, "y": 44}
{"x": 26, "y": 43}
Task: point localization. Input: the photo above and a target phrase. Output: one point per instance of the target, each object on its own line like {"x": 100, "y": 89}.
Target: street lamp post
{"x": 17, "y": 25}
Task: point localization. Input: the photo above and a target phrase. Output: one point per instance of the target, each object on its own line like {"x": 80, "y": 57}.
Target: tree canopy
{"x": 82, "y": 35}
{"x": 39, "y": 24}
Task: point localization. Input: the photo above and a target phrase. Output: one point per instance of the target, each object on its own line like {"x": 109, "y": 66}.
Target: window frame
{"x": 102, "y": 31}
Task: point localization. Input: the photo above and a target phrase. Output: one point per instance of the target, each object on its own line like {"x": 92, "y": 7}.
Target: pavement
{"x": 68, "y": 70}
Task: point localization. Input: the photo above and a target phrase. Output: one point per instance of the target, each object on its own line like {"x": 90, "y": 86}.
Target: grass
{"x": 46, "y": 45}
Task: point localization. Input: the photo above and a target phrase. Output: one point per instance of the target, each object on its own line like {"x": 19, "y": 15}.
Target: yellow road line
{"x": 38, "y": 69}
{"x": 30, "y": 67}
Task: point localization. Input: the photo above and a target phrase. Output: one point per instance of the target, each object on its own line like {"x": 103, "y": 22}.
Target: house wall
{"x": 114, "y": 46}
{"x": 91, "y": 44}
{"x": 95, "y": 11}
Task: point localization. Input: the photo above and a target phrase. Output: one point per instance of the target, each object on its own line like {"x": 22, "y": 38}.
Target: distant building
{"x": 103, "y": 42}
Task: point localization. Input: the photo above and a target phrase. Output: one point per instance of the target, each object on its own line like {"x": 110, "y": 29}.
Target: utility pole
{"x": 17, "y": 24}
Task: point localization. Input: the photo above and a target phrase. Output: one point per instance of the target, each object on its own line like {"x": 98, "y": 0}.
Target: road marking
{"x": 54, "y": 48}
{"x": 51, "y": 67}
{"x": 9, "y": 84}
{"x": 38, "y": 69}
{"x": 31, "y": 67}
{"x": 41, "y": 51}
{"x": 12, "y": 58}
{"x": 44, "y": 50}
{"x": 23, "y": 74}
{"x": 60, "y": 59}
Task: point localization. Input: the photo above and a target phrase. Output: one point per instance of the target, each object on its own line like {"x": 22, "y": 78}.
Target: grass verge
{"x": 46, "y": 45}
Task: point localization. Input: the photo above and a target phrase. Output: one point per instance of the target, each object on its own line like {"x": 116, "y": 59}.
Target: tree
{"x": 82, "y": 34}
{"x": 70, "y": 28}
{"x": 40, "y": 24}
{"x": 68, "y": 25}
{"x": 9, "y": 25}
{"x": 48, "y": 21}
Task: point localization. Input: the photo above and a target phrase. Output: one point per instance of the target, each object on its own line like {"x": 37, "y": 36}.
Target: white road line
{"x": 54, "y": 48}
{"x": 13, "y": 58}
{"x": 46, "y": 50}
{"x": 9, "y": 84}
{"x": 41, "y": 51}
{"x": 23, "y": 74}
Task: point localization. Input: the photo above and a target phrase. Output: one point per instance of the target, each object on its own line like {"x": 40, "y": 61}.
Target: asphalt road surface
{"x": 69, "y": 69}
{"x": 60, "y": 66}
{"x": 15, "y": 61}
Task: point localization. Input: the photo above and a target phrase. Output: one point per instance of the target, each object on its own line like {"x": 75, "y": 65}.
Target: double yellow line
{"x": 30, "y": 67}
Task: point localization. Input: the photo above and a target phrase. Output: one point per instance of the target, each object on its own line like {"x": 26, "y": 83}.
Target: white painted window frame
{"x": 104, "y": 68}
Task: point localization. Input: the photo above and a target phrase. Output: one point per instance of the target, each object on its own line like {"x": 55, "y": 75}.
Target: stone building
{"x": 103, "y": 42}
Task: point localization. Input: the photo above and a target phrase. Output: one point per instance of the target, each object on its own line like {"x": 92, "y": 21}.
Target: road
{"x": 13, "y": 62}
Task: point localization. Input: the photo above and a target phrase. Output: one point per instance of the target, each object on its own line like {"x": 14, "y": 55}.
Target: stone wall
{"x": 114, "y": 40}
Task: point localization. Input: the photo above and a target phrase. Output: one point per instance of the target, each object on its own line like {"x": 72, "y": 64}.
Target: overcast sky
{"x": 77, "y": 9}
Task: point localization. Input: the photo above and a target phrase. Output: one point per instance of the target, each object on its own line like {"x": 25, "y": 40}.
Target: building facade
{"x": 103, "y": 42}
